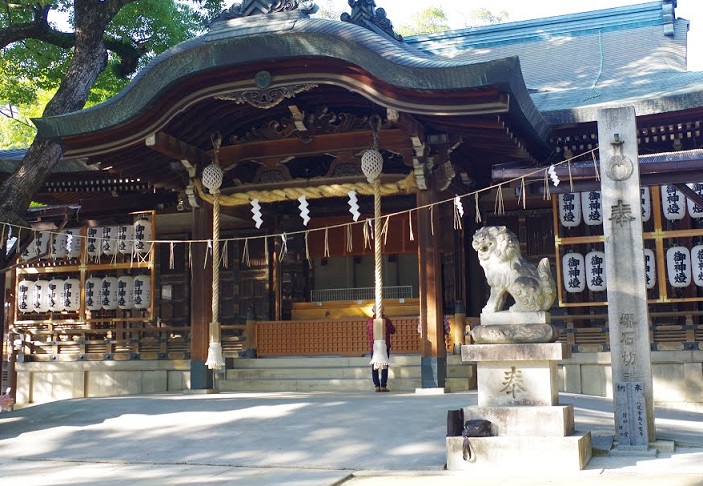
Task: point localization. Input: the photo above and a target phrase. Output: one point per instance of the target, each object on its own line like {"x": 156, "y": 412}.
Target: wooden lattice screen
{"x": 341, "y": 338}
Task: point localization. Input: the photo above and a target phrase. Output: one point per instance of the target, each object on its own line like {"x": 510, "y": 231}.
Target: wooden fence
{"x": 669, "y": 331}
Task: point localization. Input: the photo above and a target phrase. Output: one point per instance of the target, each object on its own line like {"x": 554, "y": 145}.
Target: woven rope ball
{"x": 372, "y": 164}
{"x": 212, "y": 178}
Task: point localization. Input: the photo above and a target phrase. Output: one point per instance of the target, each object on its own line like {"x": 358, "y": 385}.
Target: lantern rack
{"x": 655, "y": 236}
{"x": 81, "y": 268}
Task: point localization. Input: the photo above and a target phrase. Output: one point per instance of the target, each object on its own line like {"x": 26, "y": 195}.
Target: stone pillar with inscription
{"x": 516, "y": 360}
{"x": 628, "y": 316}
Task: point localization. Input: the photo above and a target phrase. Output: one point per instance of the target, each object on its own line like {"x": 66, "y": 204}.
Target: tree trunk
{"x": 88, "y": 61}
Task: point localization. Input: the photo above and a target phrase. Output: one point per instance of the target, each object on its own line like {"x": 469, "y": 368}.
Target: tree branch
{"x": 39, "y": 29}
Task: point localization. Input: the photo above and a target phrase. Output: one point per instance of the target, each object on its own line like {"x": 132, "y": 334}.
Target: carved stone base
{"x": 508, "y": 317}
{"x": 515, "y": 333}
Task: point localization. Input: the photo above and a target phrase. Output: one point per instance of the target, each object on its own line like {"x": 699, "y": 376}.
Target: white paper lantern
{"x": 678, "y": 266}
{"x": 125, "y": 239}
{"x": 595, "y": 271}
{"x": 646, "y": 198}
{"x": 40, "y": 297}
{"x": 592, "y": 208}
{"x": 108, "y": 244}
{"x": 108, "y": 293}
{"x": 142, "y": 292}
{"x": 92, "y": 241}
{"x": 41, "y": 244}
{"x": 573, "y": 268}
{"x": 71, "y": 294}
{"x": 650, "y": 268}
{"x": 142, "y": 235}
{"x": 673, "y": 203}
{"x": 125, "y": 292}
{"x": 55, "y": 289}
{"x": 570, "y": 209}
{"x": 93, "y": 287}
{"x": 697, "y": 265}
{"x": 694, "y": 209}
{"x": 58, "y": 245}
{"x": 25, "y": 293}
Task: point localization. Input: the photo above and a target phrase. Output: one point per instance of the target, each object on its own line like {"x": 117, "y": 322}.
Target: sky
{"x": 401, "y": 12}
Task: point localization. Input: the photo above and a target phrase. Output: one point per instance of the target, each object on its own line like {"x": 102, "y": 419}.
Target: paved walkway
{"x": 294, "y": 439}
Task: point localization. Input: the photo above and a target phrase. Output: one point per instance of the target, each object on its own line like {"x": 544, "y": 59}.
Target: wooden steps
{"x": 336, "y": 374}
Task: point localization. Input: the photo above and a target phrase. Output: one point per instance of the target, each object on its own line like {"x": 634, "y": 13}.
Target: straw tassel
{"x": 245, "y": 253}
{"x": 327, "y": 243}
{"x": 547, "y": 194}
{"x": 384, "y": 231}
{"x": 499, "y": 206}
{"x": 478, "y": 209}
{"x": 595, "y": 165}
{"x": 224, "y": 256}
{"x": 432, "y": 219}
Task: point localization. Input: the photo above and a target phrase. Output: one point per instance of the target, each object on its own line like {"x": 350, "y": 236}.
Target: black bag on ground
{"x": 474, "y": 428}
{"x": 455, "y": 422}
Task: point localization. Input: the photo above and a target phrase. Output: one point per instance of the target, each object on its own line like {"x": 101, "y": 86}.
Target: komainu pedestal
{"x": 518, "y": 393}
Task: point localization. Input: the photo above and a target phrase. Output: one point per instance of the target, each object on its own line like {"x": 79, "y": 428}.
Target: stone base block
{"x": 510, "y": 318}
{"x": 531, "y": 454}
{"x": 556, "y": 421}
{"x": 515, "y": 333}
{"x": 515, "y": 352}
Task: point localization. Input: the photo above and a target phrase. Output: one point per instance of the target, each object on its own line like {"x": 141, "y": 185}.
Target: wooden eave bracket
{"x": 187, "y": 154}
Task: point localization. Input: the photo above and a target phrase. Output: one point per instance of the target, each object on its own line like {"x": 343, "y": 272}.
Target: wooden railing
{"x": 75, "y": 344}
{"x": 669, "y": 331}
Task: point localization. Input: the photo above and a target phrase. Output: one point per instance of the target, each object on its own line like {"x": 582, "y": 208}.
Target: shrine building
{"x": 492, "y": 125}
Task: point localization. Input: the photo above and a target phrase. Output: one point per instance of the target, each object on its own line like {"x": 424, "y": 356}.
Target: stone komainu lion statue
{"x": 508, "y": 272}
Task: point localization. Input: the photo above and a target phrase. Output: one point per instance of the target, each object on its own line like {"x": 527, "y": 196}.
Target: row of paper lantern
{"x": 106, "y": 293}
{"x": 683, "y": 267}
{"x": 106, "y": 240}
{"x": 587, "y": 206}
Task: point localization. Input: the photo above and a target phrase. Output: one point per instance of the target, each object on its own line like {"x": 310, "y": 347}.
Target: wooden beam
{"x": 392, "y": 139}
{"x": 176, "y": 149}
{"x": 690, "y": 193}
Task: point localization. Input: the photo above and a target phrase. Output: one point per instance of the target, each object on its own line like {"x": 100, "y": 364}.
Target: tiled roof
{"x": 573, "y": 64}
{"x": 251, "y": 40}
{"x": 10, "y": 159}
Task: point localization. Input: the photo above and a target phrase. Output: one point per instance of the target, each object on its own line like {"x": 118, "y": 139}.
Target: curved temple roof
{"x": 388, "y": 72}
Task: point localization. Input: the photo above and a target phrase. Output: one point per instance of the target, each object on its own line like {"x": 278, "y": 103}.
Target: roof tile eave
{"x": 388, "y": 59}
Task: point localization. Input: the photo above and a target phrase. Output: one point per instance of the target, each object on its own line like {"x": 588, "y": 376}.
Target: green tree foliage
{"x": 429, "y": 21}
{"x": 328, "y": 9}
{"x": 77, "y": 52}
{"x": 484, "y": 16}
{"x": 138, "y": 32}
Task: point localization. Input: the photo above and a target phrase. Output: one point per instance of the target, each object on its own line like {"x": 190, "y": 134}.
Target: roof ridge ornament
{"x": 365, "y": 14}
{"x": 262, "y": 7}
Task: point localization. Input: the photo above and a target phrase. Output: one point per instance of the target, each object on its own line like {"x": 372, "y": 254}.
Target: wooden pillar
{"x": 201, "y": 299}
{"x": 434, "y": 359}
